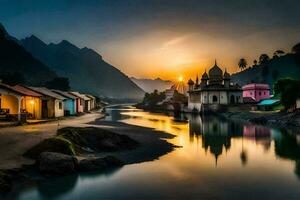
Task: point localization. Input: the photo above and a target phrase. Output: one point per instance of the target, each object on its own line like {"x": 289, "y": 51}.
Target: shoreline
{"x": 288, "y": 121}
{"x": 152, "y": 145}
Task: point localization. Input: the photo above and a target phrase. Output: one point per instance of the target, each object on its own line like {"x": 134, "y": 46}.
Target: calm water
{"x": 218, "y": 160}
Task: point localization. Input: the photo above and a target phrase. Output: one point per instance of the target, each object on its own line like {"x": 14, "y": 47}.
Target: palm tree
{"x": 263, "y": 59}
{"x": 242, "y": 63}
{"x": 255, "y": 62}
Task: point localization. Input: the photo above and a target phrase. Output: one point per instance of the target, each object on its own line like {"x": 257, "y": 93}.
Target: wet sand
{"x": 14, "y": 141}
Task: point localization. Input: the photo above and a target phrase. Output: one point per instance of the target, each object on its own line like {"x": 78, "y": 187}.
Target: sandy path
{"x": 14, "y": 141}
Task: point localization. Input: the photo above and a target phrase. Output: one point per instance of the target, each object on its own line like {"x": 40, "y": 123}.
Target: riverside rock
{"x": 56, "y": 164}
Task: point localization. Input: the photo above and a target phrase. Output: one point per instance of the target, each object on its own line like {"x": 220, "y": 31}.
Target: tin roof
{"x": 64, "y": 94}
{"x": 47, "y": 92}
{"x": 90, "y": 96}
{"x": 268, "y": 102}
{"x": 80, "y": 96}
{"x": 26, "y": 91}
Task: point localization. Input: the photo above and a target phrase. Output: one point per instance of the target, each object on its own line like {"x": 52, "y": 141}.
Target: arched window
{"x": 215, "y": 99}
{"x": 232, "y": 100}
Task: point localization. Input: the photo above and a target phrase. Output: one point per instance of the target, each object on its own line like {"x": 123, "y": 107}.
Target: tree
{"x": 263, "y": 59}
{"x": 296, "y": 51}
{"x": 242, "y": 63}
{"x": 58, "y": 83}
{"x": 275, "y": 74}
{"x": 288, "y": 90}
{"x": 255, "y": 62}
{"x": 296, "y": 48}
{"x": 278, "y": 53}
{"x": 13, "y": 78}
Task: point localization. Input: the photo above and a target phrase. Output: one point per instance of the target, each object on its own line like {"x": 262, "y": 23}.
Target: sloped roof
{"x": 64, "y": 94}
{"x": 80, "y": 95}
{"x": 26, "y": 91}
{"x": 47, "y": 92}
{"x": 10, "y": 88}
{"x": 268, "y": 102}
{"x": 90, "y": 96}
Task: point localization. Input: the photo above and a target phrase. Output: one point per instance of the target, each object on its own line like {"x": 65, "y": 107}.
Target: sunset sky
{"x": 169, "y": 38}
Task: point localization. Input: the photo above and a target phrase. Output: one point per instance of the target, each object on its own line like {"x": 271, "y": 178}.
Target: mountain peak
{"x": 68, "y": 45}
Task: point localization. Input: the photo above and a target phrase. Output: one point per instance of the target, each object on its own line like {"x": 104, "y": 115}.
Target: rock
{"x": 98, "y": 164}
{"x": 56, "y": 164}
{"x": 97, "y": 139}
{"x": 5, "y": 183}
{"x": 55, "y": 144}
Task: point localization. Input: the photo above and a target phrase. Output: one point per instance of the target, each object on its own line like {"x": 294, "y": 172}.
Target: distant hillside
{"x": 274, "y": 69}
{"x": 84, "y": 67}
{"x": 17, "y": 63}
{"x": 149, "y": 85}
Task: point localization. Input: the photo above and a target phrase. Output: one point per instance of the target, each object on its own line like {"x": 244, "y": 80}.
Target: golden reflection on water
{"x": 213, "y": 143}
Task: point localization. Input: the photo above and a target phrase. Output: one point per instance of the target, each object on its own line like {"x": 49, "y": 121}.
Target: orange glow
{"x": 180, "y": 78}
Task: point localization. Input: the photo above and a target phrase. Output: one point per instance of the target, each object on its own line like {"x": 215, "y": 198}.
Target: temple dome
{"x": 215, "y": 71}
{"x": 226, "y": 75}
{"x": 191, "y": 82}
{"x": 204, "y": 75}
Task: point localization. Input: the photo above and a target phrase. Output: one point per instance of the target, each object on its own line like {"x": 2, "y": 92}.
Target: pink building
{"x": 256, "y": 91}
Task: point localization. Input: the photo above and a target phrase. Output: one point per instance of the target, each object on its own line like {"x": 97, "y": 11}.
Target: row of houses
{"x": 23, "y": 102}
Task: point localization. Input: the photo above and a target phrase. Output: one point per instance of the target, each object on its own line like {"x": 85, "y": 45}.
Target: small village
{"x": 24, "y": 104}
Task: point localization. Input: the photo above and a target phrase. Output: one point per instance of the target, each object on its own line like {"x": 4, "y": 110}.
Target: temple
{"x": 214, "y": 91}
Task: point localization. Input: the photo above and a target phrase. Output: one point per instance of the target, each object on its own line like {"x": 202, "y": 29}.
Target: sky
{"x": 161, "y": 38}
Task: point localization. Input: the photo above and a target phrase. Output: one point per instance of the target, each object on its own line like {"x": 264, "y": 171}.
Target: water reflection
{"x": 219, "y": 159}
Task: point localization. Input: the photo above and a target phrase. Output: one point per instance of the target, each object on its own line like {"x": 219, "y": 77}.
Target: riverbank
{"x": 283, "y": 120}
{"x": 15, "y": 141}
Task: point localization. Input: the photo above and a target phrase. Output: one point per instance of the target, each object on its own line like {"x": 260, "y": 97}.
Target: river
{"x": 218, "y": 159}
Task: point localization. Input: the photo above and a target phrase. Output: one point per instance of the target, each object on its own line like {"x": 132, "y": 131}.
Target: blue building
{"x": 69, "y": 102}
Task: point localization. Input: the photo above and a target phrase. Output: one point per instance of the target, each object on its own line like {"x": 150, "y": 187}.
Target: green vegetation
{"x": 152, "y": 99}
{"x": 288, "y": 90}
{"x": 56, "y": 144}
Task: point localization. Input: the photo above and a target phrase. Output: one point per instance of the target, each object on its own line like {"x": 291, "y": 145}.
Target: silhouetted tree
{"x": 288, "y": 90}
{"x": 278, "y": 53}
{"x": 242, "y": 63}
{"x": 59, "y": 83}
{"x": 13, "y": 78}
{"x": 275, "y": 74}
{"x": 296, "y": 48}
{"x": 255, "y": 62}
{"x": 263, "y": 59}
{"x": 296, "y": 51}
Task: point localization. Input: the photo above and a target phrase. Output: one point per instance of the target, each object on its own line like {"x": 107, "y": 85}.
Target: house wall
{"x": 9, "y": 102}
{"x": 298, "y": 104}
{"x": 79, "y": 104}
{"x": 257, "y": 94}
{"x": 32, "y": 105}
{"x": 69, "y": 105}
{"x": 238, "y": 98}
{"x": 58, "y": 108}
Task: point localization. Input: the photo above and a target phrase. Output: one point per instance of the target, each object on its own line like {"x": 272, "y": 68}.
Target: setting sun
{"x": 180, "y": 78}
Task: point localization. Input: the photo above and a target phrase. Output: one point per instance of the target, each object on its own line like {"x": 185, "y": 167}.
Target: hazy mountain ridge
{"x": 84, "y": 67}
{"x": 14, "y": 59}
{"x": 149, "y": 85}
{"x": 281, "y": 67}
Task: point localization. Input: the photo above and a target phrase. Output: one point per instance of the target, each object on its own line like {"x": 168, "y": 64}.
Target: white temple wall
{"x": 223, "y": 98}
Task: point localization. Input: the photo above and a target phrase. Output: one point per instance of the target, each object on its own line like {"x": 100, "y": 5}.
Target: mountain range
{"x": 149, "y": 85}
{"x": 84, "y": 67}
{"x": 17, "y": 63}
